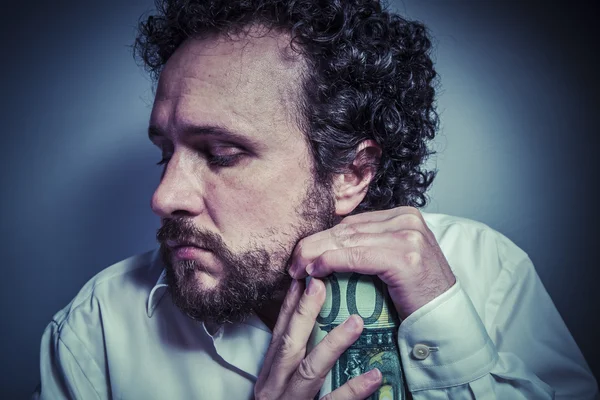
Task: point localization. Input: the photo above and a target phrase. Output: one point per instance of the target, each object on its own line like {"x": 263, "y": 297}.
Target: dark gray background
{"x": 517, "y": 146}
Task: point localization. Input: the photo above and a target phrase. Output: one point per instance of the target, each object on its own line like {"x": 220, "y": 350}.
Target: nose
{"x": 180, "y": 191}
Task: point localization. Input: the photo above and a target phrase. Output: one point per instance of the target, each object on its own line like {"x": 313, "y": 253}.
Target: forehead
{"x": 223, "y": 80}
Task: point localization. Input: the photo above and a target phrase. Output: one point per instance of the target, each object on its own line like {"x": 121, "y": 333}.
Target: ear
{"x": 350, "y": 188}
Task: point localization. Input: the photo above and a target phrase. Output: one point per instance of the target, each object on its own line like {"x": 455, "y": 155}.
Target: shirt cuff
{"x": 444, "y": 343}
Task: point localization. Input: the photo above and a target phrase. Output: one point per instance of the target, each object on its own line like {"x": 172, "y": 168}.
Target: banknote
{"x": 352, "y": 293}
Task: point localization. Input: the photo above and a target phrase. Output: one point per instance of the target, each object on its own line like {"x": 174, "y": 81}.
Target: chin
{"x": 203, "y": 280}
{"x": 196, "y": 273}
{"x": 211, "y": 302}
{"x": 198, "y": 284}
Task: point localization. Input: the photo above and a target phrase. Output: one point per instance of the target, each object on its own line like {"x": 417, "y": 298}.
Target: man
{"x": 293, "y": 136}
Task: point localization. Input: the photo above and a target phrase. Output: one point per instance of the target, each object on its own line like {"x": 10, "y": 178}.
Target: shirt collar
{"x": 159, "y": 289}
{"x": 243, "y": 345}
{"x": 252, "y": 335}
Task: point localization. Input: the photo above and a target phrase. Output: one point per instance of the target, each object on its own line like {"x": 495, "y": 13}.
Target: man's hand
{"x": 288, "y": 372}
{"x": 396, "y": 245}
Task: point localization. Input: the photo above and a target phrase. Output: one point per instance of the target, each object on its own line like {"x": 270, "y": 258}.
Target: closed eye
{"x": 224, "y": 161}
{"x": 214, "y": 160}
{"x": 223, "y": 155}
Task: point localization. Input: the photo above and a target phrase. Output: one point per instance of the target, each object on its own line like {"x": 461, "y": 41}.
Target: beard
{"x": 252, "y": 277}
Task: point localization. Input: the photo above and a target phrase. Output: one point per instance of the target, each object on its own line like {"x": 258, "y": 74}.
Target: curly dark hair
{"x": 369, "y": 76}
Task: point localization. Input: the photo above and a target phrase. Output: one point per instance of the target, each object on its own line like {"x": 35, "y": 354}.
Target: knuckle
{"x": 338, "y": 230}
{"x": 344, "y": 231}
{"x": 263, "y": 392}
{"x": 306, "y": 370}
{"x": 356, "y": 256}
{"x": 411, "y": 221}
{"x": 303, "y": 308}
{"x": 331, "y": 343}
{"x": 411, "y": 210}
{"x": 355, "y": 387}
{"x": 274, "y": 339}
{"x": 413, "y": 237}
{"x": 412, "y": 259}
{"x": 351, "y": 229}
{"x": 287, "y": 347}
{"x": 259, "y": 395}
{"x": 349, "y": 240}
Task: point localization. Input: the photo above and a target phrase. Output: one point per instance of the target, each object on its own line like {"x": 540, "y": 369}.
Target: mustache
{"x": 184, "y": 230}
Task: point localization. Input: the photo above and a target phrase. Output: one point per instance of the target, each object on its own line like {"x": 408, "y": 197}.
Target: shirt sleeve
{"x": 63, "y": 367}
{"x": 522, "y": 351}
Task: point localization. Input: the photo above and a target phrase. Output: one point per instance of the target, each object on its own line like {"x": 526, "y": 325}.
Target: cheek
{"x": 254, "y": 205}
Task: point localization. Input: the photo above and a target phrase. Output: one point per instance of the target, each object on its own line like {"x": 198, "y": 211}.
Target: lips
{"x": 186, "y": 250}
{"x": 189, "y": 252}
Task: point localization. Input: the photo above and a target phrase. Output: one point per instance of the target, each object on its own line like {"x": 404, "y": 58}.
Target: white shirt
{"x": 494, "y": 334}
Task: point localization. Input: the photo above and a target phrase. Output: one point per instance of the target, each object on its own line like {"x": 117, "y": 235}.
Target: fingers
{"x": 358, "y": 388}
{"x": 313, "y": 250}
{"x": 362, "y": 260}
{"x": 289, "y": 371}
{"x": 287, "y": 309}
{"x": 312, "y": 371}
{"x": 386, "y": 255}
{"x": 380, "y": 215}
{"x": 397, "y": 228}
{"x": 291, "y": 349}
{"x": 344, "y": 228}
{"x": 413, "y": 278}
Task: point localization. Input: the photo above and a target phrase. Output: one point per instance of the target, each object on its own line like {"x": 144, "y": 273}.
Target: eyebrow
{"x": 204, "y": 130}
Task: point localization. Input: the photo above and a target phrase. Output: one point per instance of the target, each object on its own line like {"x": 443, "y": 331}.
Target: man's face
{"x": 238, "y": 187}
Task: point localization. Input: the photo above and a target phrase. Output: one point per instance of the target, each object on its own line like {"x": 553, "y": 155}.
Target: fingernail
{"x": 310, "y": 268}
{"x": 294, "y": 285}
{"x": 373, "y": 375}
{"x": 312, "y": 288}
{"x": 351, "y": 324}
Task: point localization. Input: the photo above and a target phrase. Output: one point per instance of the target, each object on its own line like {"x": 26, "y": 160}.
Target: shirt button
{"x": 420, "y": 351}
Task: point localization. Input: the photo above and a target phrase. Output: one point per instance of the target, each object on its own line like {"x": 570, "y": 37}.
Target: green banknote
{"x": 351, "y": 293}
